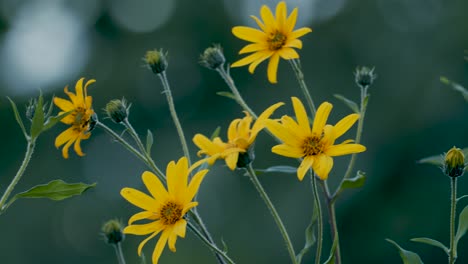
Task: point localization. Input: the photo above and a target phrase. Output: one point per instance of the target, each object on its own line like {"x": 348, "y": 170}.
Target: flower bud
{"x": 245, "y": 158}
{"x": 156, "y": 61}
{"x": 454, "y": 162}
{"x": 117, "y": 110}
{"x": 212, "y": 57}
{"x": 364, "y": 76}
{"x": 92, "y": 122}
{"x": 112, "y": 231}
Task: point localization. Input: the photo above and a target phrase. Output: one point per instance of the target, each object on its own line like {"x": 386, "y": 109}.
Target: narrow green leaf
{"x": 351, "y": 104}
{"x": 55, "y": 190}
{"x": 455, "y": 86}
{"x": 149, "y": 141}
{"x": 215, "y": 133}
{"x": 18, "y": 118}
{"x": 462, "y": 226}
{"x": 310, "y": 238}
{"x": 226, "y": 94}
{"x": 408, "y": 257}
{"x": 38, "y": 119}
{"x": 279, "y": 168}
{"x": 366, "y": 100}
{"x": 53, "y": 120}
{"x": 462, "y": 197}
{"x": 331, "y": 258}
{"x": 431, "y": 242}
{"x": 51, "y": 107}
{"x": 356, "y": 182}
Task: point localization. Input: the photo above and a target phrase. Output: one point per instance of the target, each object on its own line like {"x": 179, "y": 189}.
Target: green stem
{"x": 119, "y": 253}
{"x": 332, "y": 219}
{"x": 318, "y": 253}
{"x": 19, "y": 174}
{"x": 213, "y": 247}
{"x": 300, "y": 78}
{"x": 175, "y": 118}
{"x": 230, "y": 82}
{"x": 274, "y": 213}
{"x": 452, "y": 251}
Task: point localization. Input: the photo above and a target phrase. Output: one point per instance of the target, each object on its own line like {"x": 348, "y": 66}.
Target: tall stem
{"x": 19, "y": 174}
{"x": 332, "y": 220}
{"x": 274, "y": 213}
{"x": 300, "y": 78}
{"x": 230, "y": 82}
{"x": 119, "y": 253}
{"x": 452, "y": 255}
{"x": 175, "y": 118}
{"x": 318, "y": 253}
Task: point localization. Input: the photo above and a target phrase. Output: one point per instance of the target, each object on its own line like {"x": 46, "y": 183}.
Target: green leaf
{"x": 455, "y": 86}
{"x": 215, "y": 133}
{"x": 331, "y": 258}
{"x": 431, "y": 242}
{"x": 310, "y": 238}
{"x": 349, "y": 103}
{"x": 18, "y": 118}
{"x": 52, "y": 121}
{"x": 279, "y": 168}
{"x": 227, "y": 94}
{"x": 149, "y": 141}
{"x": 356, "y": 182}
{"x": 366, "y": 100}
{"x": 462, "y": 226}
{"x": 37, "y": 124}
{"x": 55, "y": 190}
{"x": 408, "y": 257}
{"x": 51, "y": 107}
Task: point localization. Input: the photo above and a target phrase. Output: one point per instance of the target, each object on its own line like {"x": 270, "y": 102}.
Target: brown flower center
{"x": 82, "y": 119}
{"x": 276, "y": 40}
{"x": 312, "y": 146}
{"x": 170, "y": 213}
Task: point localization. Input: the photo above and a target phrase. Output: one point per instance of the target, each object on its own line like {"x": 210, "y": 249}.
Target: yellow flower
{"x": 276, "y": 39}
{"x": 240, "y": 137}
{"x": 315, "y": 145}
{"x": 166, "y": 208}
{"x": 79, "y": 119}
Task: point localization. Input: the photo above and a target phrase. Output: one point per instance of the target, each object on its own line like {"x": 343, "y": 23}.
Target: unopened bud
{"x": 212, "y": 57}
{"x": 364, "y": 76}
{"x": 156, "y": 61}
{"x": 117, "y": 110}
{"x": 454, "y": 162}
{"x": 245, "y": 158}
{"x": 112, "y": 231}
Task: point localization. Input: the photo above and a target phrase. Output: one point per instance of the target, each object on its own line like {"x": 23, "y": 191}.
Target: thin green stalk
{"x": 119, "y": 253}
{"x": 213, "y": 247}
{"x": 175, "y": 118}
{"x": 452, "y": 255}
{"x": 300, "y": 78}
{"x": 274, "y": 213}
{"x": 332, "y": 219}
{"x": 318, "y": 253}
{"x": 230, "y": 82}
{"x": 19, "y": 174}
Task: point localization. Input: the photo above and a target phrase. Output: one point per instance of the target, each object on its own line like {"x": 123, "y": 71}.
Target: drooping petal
{"x": 265, "y": 55}
{"x": 288, "y": 53}
{"x": 345, "y": 124}
{"x": 188, "y": 206}
{"x": 160, "y": 246}
{"x": 74, "y": 99}
{"x": 321, "y": 117}
{"x": 154, "y": 186}
{"x": 65, "y": 136}
{"x": 281, "y": 15}
{"x": 344, "y": 149}
{"x": 282, "y": 133}
{"x": 291, "y": 21}
{"x": 180, "y": 227}
{"x": 273, "y": 67}
{"x": 247, "y": 60}
{"x": 231, "y": 160}
{"x": 254, "y": 47}
{"x": 260, "y": 122}
{"x": 172, "y": 241}
{"x": 293, "y": 43}
{"x": 304, "y": 167}
{"x": 301, "y": 114}
{"x": 249, "y": 34}
{"x": 143, "y": 229}
{"x": 287, "y": 151}
{"x": 322, "y": 166}
{"x": 140, "y": 216}
{"x": 299, "y": 32}
{"x": 77, "y": 147}
{"x": 139, "y": 199}
{"x": 142, "y": 243}
{"x": 67, "y": 146}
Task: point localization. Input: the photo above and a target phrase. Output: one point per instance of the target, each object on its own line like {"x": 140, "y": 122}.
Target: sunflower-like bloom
{"x": 166, "y": 208}
{"x": 277, "y": 38}
{"x": 315, "y": 145}
{"x": 241, "y": 135}
{"x": 79, "y": 119}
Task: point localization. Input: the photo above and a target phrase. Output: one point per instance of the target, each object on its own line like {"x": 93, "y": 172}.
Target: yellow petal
{"x": 140, "y": 216}
{"x": 79, "y": 90}
{"x": 268, "y": 18}
{"x": 160, "y": 246}
{"x": 63, "y": 104}
{"x": 265, "y": 55}
{"x": 67, "y": 146}
{"x": 344, "y": 149}
{"x": 294, "y": 127}
{"x": 282, "y": 133}
{"x": 154, "y": 186}
{"x": 288, "y": 53}
{"x": 322, "y": 166}
{"x": 281, "y": 15}
{"x": 259, "y": 23}
{"x": 304, "y": 167}
{"x": 142, "y": 243}
{"x": 287, "y": 151}
{"x": 73, "y": 98}
{"x": 139, "y": 199}
{"x": 249, "y": 34}
{"x": 321, "y": 117}
{"x": 77, "y": 147}
{"x": 65, "y": 136}
{"x": 243, "y": 129}
{"x": 253, "y": 48}
{"x": 188, "y": 206}
{"x": 291, "y": 21}
{"x": 328, "y": 135}
{"x": 231, "y": 160}
{"x": 172, "y": 241}
{"x": 206, "y": 145}
{"x": 143, "y": 229}
{"x": 293, "y": 43}
{"x": 247, "y": 60}
{"x": 89, "y": 82}
{"x": 301, "y": 114}
{"x": 273, "y": 67}
{"x": 194, "y": 185}
{"x": 260, "y": 122}
{"x": 299, "y": 32}
{"x": 180, "y": 227}
{"x": 232, "y": 130}
{"x": 345, "y": 124}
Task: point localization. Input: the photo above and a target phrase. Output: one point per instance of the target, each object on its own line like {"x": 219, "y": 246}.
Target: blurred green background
{"x": 49, "y": 44}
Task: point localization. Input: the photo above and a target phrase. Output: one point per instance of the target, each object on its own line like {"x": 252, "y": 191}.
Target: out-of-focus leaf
{"x": 431, "y": 242}
{"x": 310, "y": 238}
{"x": 149, "y": 141}
{"x": 279, "y": 168}
{"x": 226, "y": 94}
{"x": 215, "y": 133}
{"x": 438, "y": 160}
{"x": 455, "y": 86}
{"x": 356, "y": 182}
{"x": 53, "y": 120}
{"x": 55, "y": 190}
{"x": 37, "y": 122}
{"x": 331, "y": 258}
{"x": 18, "y": 118}
{"x": 351, "y": 104}
{"x": 462, "y": 227}
{"x": 408, "y": 257}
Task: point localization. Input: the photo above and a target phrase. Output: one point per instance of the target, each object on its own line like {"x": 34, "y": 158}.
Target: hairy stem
{"x": 300, "y": 78}
{"x": 333, "y": 224}
{"x": 318, "y": 253}
{"x": 119, "y": 253}
{"x": 452, "y": 255}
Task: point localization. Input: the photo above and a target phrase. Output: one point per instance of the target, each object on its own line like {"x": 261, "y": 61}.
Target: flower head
{"x": 112, "y": 231}
{"x": 454, "y": 162}
{"x": 213, "y": 57}
{"x": 316, "y": 144}
{"x": 165, "y": 208}
{"x": 241, "y": 135}
{"x": 80, "y": 119}
{"x": 156, "y": 60}
{"x": 117, "y": 110}
{"x": 277, "y": 38}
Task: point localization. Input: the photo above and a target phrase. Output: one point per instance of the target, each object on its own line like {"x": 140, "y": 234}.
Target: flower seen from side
{"x": 241, "y": 135}
{"x": 80, "y": 118}
{"x": 165, "y": 209}
{"x": 276, "y": 39}
{"x": 316, "y": 144}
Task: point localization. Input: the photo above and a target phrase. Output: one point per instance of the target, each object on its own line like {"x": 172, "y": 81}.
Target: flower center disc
{"x": 171, "y": 213}
{"x": 276, "y": 41}
{"x": 81, "y": 119}
{"x": 311, "y": 146}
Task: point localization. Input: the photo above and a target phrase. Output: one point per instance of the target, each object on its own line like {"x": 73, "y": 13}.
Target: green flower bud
{"x": 156, "y": 61}
{"x": 112, "y": 231}
{"x": 245, "y": 158}
{"x": 454, "y": 162}
{"x": 364, "y": 76}
{"x": 117, "y": 110}
{"x": 212, "y": 57}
